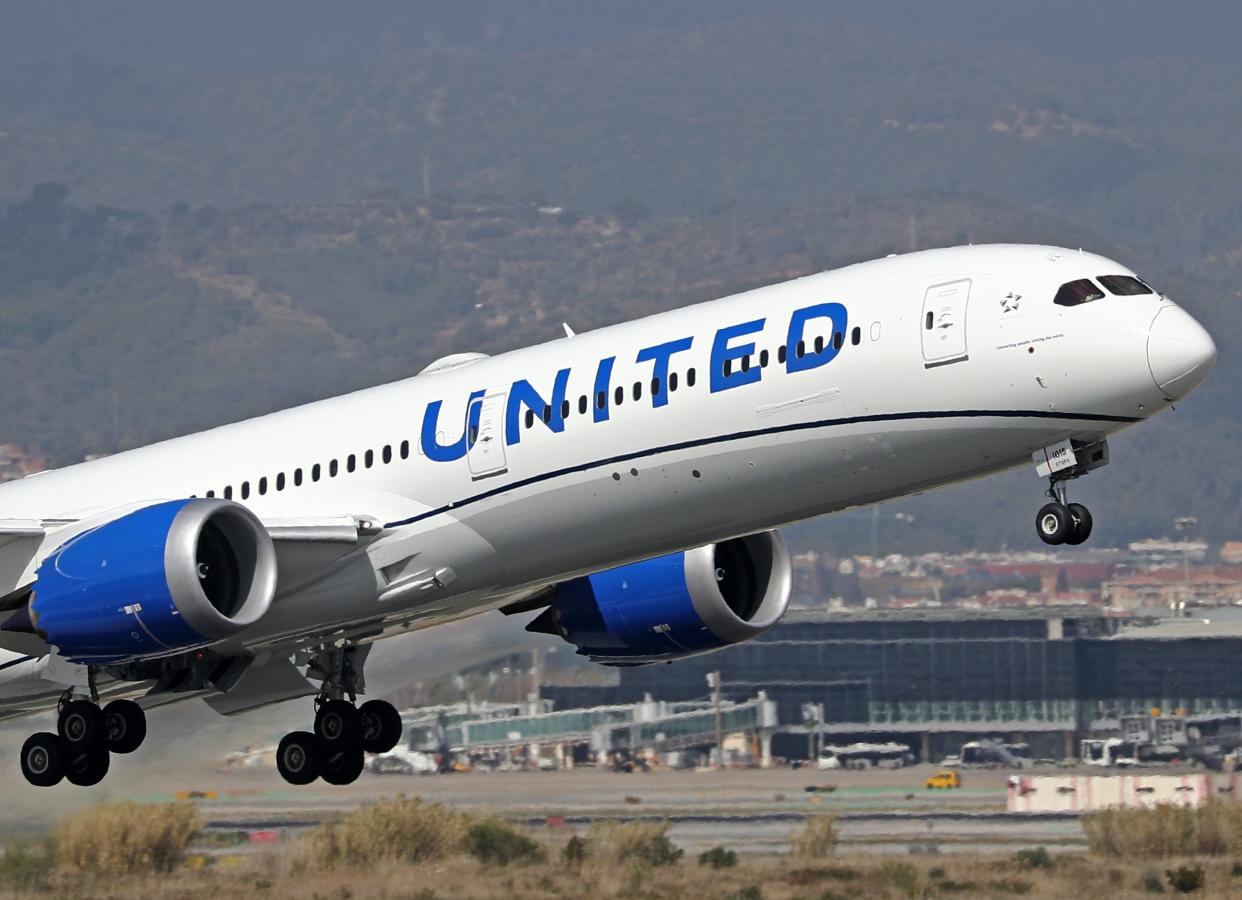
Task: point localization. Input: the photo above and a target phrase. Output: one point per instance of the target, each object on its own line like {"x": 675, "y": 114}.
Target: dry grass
{"x": 403, "y": 829}
{"x": 771, "y": 877}
{"x": 646, "y": 843}
{"x": 816, "y": 838}
{"x": 1213, "y": 829}
{"x": 126, "y": 838}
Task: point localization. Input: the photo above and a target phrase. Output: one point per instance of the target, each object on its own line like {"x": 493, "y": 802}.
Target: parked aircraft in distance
{"x": 625, "y": 484}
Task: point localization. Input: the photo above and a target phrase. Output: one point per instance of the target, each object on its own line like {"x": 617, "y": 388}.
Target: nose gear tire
{"x": 1082, "y": 524}
{"x": 1054, "y": 523}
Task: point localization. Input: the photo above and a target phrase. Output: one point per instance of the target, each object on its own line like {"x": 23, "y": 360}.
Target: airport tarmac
{"x": 750, "y": 810}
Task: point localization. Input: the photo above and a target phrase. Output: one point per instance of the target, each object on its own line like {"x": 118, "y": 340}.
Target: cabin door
{"x": 944, "y": 323}
{"x": 485, "y": 444}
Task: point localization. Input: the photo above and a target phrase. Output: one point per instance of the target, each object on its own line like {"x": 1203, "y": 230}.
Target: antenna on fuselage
{"x": 569, "y": 332}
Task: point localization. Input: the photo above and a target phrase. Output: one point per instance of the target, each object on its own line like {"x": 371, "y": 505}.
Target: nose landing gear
{"x": 344, "y": 733}
{"x": 1062, "y": 522}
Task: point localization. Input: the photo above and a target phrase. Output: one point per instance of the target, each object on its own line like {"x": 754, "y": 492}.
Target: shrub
{"x": 718, "y": 858}
{"x": 750, "y": 892}
{"x": 1166, "y": 830}
{"x": 1186, "y": 880}
{"x": 1035, "y": 858}
{"x": 126, "y": 838}
{"x": 643, "y": 842}
{"x": 1011, "y": 886}
{"x": 1152, "y": 883}
{"x": 493, "y": 842}
{"x": 899, "y": 875}
{"x": 575, "y": 851}
{"x": 816, "y": 838}
{"x": 26, "y": 867}
{"x": 1236, "y": 871}
{"x": 403, "y": 829}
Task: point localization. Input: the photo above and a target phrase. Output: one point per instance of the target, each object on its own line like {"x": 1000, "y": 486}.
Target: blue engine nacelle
{"x": 167, "y": 577}
{"x": 674, "y": 606}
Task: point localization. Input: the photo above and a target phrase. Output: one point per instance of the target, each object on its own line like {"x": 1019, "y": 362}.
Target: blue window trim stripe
{"x": 759, "y": 432}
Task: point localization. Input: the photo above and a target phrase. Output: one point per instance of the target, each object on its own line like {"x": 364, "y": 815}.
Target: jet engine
{"x": 167, "y": 577}
{"x": 674, "y": 606}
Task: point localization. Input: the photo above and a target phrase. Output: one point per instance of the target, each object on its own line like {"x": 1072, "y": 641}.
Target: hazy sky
{"x": 280, "y": 32}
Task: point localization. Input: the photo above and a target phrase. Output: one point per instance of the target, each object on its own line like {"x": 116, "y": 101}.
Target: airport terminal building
{"x": 935, "y": 679}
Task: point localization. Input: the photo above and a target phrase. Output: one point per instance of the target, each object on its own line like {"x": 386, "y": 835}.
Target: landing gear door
{"x": 944, "y": 323}
{"x": 485, "y": 445}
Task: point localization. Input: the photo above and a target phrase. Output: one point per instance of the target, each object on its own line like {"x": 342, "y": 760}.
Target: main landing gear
{"x": 343, "y": 733}
{"x": 1062, "y": 522}
{"x": 86, "y": 737}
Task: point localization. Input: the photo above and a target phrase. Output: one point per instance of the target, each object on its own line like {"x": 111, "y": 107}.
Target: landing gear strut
{"x": 344, "y": 733}
{"x": 1062, "y": 522}
{"x": 86, "y": 737}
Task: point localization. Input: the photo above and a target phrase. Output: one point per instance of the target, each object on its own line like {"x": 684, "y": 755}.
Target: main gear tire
{"x": 381, "y": 726}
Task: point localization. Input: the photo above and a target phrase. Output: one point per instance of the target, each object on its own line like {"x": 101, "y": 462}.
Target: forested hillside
{"x": 186, "y": 244}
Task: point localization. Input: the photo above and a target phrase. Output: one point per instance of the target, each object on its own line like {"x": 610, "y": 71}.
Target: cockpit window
{"x": 1124, "y": 285}
{"x": 1072, "y": 293}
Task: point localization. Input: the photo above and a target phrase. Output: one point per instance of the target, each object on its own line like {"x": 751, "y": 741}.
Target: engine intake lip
{"x": 254, "y": 556}
{"x": 773, "y": 570}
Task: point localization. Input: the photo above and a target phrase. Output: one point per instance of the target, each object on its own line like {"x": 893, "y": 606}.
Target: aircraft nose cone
{"x": 1180, "y": 352}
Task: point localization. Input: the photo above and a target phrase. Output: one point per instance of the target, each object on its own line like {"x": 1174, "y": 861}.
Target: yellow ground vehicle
{"x": 944, "y": 779}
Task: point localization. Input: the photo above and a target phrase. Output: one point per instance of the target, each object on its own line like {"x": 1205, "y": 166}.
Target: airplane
{"x": 624, "y": 486}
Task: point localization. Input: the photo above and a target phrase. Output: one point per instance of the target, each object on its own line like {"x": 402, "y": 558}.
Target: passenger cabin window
{"x": 245, "y": 491}
{"x": 530, "y": 418}
{"x": 855, "y": 335}
{"x": 351, "y": 462}
{"x": 280, "y": 481}
{"x": 387, "y": 454}
{"x": 763, "y": 359}
{"x": 263, "y": 485}
{"x": 582, "y": 405}
{"x": 838, "y": 338}
{"x": 690, "y": 378}
{"x": 405, "y": 449}
{"x": 315, "y": 472}
{"x": 1124, "y": 285}
{"x": 228, "y": 492}
{"x": 211, "y": 493}
{"x": 368, "y": 458}
{"x": 297, "y": 477}
{"x": 332, "y": 469}
{"x": 672, "y": 381}
{"x": 1075, "y": 293}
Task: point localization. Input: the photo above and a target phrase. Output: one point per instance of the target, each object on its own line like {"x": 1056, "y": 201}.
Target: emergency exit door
{"x": 944, "y": 323}
{"x": 485, "y": 445}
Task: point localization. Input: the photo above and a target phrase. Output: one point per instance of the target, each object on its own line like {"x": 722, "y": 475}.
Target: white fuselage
{"x": 907, "y": 403}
